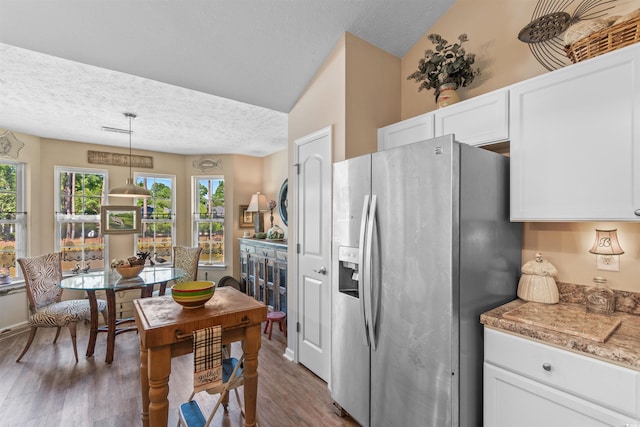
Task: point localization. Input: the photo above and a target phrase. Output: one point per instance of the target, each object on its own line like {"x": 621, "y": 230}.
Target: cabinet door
{"x": 575, "y": 141}
{"x": 406, "y": 132}
{"x": 478, "y": 121}
{"x": 14, "y": 311}
{"x": 513, "y": 400}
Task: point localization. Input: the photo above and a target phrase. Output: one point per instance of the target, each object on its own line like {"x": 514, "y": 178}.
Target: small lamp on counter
{"x": 257, "y": 205}
{"x": 607, "y": 248}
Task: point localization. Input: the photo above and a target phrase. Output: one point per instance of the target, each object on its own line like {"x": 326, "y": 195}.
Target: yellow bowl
{"x": 129, "y": 271}
{"x": 193, "y": 294}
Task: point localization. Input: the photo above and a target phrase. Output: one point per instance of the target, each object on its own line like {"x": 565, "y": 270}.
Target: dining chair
{"x": 185, "y": 258}
{"x": 215, "y": 372}
{"x": 42, "y": 274}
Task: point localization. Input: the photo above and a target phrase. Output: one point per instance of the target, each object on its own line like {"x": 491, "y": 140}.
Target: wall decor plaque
{"x": 116, "y": 159}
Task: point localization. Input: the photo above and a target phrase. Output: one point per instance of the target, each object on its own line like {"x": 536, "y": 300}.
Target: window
{"x": 79, "y": 195}
{"x": 158, "y": 219}
{"x": 208, "y": 217}
{"x": 12, "y": 215}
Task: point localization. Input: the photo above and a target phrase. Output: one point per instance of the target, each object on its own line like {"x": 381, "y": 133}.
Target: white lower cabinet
{"x": 14, "y": 308}
{"x": 530, "y": 384}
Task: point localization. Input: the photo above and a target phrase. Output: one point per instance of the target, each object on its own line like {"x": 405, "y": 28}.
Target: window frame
{"x": 20, "y": 220}
{"x": 60, "y": 217}
{"x": 146, "y": 219}
{"x": 196, "y": 220}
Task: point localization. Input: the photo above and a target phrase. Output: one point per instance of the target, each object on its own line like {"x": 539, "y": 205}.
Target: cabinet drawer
{"x": 248, "y": 249}
{"x": 603, "y": 383}
{"x": 266, "y": 252}
{"x": 281, "y": 255}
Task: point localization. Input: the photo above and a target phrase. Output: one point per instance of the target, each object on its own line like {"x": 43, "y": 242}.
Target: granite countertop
{"x": 621, "y": 347}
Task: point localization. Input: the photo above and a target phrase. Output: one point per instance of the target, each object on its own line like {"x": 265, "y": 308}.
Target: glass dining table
{"x": 110, "y": 282}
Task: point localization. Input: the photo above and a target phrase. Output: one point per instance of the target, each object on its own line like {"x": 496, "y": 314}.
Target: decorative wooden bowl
{"x": 193, "y": 294}
{"x": 129, "y": 271}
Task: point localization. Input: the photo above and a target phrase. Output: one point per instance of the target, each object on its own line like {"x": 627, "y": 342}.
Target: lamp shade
{"x": 129, "y": 189}
{"x": 258, "y": 203}
{"x": 606, "y": 243}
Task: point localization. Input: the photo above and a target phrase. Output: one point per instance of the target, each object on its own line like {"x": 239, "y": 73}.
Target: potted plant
{"x": 448, "y": 67}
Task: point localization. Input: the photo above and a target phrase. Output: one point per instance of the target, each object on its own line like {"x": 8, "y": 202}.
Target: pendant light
{"x": 129, "y": 189}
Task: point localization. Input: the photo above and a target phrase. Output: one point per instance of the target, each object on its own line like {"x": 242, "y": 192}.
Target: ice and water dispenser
{"x": 348, "y": 270}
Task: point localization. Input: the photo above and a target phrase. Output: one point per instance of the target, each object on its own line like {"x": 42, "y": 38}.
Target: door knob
{"x": 322, "y": 270}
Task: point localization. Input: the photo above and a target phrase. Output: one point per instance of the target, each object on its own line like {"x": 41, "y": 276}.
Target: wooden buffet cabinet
{"x": 263, "y": 271}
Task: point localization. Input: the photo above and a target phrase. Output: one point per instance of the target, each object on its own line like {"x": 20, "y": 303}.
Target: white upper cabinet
{"x": 476, "y": 121}
{"x": 406, "y": 132}
{"x": 575, "y": 141}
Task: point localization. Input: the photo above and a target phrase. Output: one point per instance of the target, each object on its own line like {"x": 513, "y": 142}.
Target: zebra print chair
{"x": 185, "y": 258}
{"x": 42, "y": 275}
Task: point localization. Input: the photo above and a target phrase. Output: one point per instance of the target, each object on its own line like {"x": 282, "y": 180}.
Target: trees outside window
{"x": 80, "y": 193}
{"x": 158, "y": 219}
{"x": 12, "y": 216}
{"x": 208, "y": 222}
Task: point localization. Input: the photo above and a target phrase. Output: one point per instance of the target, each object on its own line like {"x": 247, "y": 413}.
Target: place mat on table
{"x": 568, "y": 319}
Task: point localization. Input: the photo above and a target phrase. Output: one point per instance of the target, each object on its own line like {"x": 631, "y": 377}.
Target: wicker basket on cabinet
{"x": 607, "y": 40}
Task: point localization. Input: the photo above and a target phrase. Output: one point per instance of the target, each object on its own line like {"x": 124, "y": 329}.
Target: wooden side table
{"x": 166, "y": 331}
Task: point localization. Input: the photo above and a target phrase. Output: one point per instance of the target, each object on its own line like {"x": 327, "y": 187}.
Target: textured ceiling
{"x": 203, "y": 76}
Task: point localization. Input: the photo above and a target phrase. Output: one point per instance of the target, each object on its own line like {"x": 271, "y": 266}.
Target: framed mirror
{"x": 283, "y": 202}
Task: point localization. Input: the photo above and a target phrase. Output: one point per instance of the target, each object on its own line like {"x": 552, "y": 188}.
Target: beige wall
{"x": 372, "y": 94}
{"x": 322, "y": 104}
{"x": 492, "y": 27}
{"x": 505, "y": 60}
{"x": 244, "y": 175}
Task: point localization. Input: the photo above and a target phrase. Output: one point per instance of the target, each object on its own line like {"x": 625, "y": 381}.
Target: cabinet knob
{"x": 637, "y": 212}
{"x": 546, "y": 367}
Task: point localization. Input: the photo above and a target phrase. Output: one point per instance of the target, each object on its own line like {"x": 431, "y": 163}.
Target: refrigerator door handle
{"x": 361, "y": 262}
{"x": 368, "y": 280}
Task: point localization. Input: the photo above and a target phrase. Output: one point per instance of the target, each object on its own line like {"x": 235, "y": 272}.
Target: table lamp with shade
{"x": 257, "y": 205}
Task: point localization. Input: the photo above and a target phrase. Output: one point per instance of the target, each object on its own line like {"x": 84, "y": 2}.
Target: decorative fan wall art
{"x": 549, "y": 20}
{"x": 10, "y": 146}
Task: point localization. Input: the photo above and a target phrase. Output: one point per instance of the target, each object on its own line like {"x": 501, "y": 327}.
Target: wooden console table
{"x": 263, "y": 271}
{"x": 166, "y": 331}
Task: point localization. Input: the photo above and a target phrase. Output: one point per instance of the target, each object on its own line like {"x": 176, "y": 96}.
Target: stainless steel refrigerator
{"x": 422, "y": 245}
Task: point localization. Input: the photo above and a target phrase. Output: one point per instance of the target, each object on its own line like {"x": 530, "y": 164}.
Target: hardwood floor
{"x": 47, "y": 388}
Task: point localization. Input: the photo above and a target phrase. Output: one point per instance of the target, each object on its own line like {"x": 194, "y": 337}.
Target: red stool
{"x": 276, "y": 317}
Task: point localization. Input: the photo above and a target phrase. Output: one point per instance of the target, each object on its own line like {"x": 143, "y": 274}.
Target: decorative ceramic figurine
{"x": 537, "y": 283}
{"x": 4, "y": 276}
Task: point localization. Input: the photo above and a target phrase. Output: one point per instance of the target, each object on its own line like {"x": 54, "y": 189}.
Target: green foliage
{"x": 81, "y": 193}
{"x": 7, "y": 188}
{"x": 449, "y": 63}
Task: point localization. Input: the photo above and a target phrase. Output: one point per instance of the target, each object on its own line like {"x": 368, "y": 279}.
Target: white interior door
{"x": 313, "y": 207}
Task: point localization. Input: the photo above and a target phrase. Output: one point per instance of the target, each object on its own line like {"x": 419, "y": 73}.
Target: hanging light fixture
{"x": 129, "y": 189}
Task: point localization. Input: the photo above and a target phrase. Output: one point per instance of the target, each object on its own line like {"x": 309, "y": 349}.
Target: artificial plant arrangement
{"x": 449, "y": 63}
